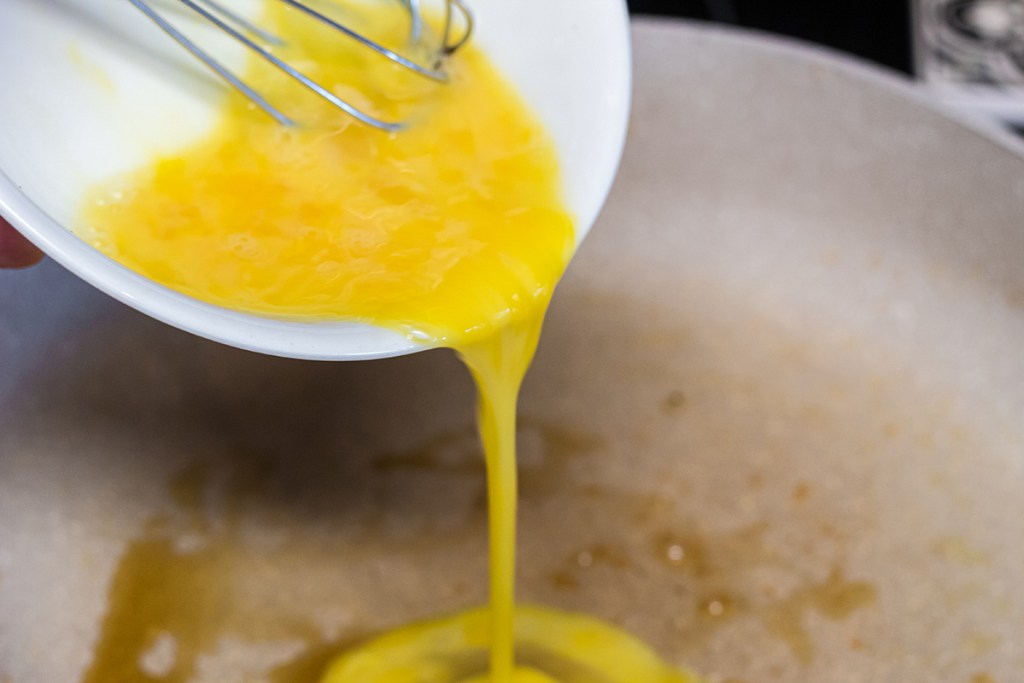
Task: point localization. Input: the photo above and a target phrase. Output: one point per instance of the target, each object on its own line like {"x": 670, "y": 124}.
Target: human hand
{"x": 15, "y": 250}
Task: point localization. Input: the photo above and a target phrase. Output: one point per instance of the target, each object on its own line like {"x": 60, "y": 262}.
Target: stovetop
{"x": 967, "y": 53}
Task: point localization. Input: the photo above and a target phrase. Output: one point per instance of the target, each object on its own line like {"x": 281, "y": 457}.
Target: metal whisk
{"x": 248, "y": 33}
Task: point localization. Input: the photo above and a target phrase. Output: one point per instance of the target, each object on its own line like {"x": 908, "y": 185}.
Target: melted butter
{"x": 452, "y": 232}
{"x": 834, "y": 598}
{"x": 164, "y": 591}
{"x": 177, "y": 585}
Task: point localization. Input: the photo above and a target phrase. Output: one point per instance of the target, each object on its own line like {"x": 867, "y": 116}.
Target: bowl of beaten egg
{"x": 107, "y": 125}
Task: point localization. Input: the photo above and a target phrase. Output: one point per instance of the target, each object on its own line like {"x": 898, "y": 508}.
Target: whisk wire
{"x": 416, "y": 25}
{"x": 236, "y": 27}
{"x": 366, "y": 42}
{"x": 245, "y": 24}
{"x": 447, "y": 47}
{"x": 212, "y": 63}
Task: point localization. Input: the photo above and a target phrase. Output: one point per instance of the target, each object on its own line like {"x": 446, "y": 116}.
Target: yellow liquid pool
{"x": 444, "y": 231}
{"x": 452, "y": 232}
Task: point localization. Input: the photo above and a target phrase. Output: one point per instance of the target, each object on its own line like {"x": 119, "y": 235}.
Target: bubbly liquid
{"x": 452, "y": 232}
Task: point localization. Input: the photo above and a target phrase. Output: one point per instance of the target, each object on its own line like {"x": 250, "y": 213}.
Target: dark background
{"x": 878, "y": 30}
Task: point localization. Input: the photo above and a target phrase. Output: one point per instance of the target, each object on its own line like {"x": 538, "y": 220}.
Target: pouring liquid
{"x": 452, "y": 232}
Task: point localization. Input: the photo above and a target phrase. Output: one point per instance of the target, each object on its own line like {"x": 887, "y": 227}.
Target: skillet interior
{"x": 776, "y": 427}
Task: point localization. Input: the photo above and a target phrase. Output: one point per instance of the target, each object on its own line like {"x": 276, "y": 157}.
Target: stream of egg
{"x": 452, "y": 232}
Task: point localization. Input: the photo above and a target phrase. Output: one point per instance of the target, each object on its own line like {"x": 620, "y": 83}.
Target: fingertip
{"x": 15, "y": 250}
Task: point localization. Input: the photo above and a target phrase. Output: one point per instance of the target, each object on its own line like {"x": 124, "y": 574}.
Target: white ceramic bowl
{"x": 92, "y": 88}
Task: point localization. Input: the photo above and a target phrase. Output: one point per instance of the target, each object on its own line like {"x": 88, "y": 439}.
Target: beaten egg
{"x": 452, "y": 231}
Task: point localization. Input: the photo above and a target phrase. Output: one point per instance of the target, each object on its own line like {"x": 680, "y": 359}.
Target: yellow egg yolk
{"x": 452, "y": 231}
{"x": 444, "y": 231}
